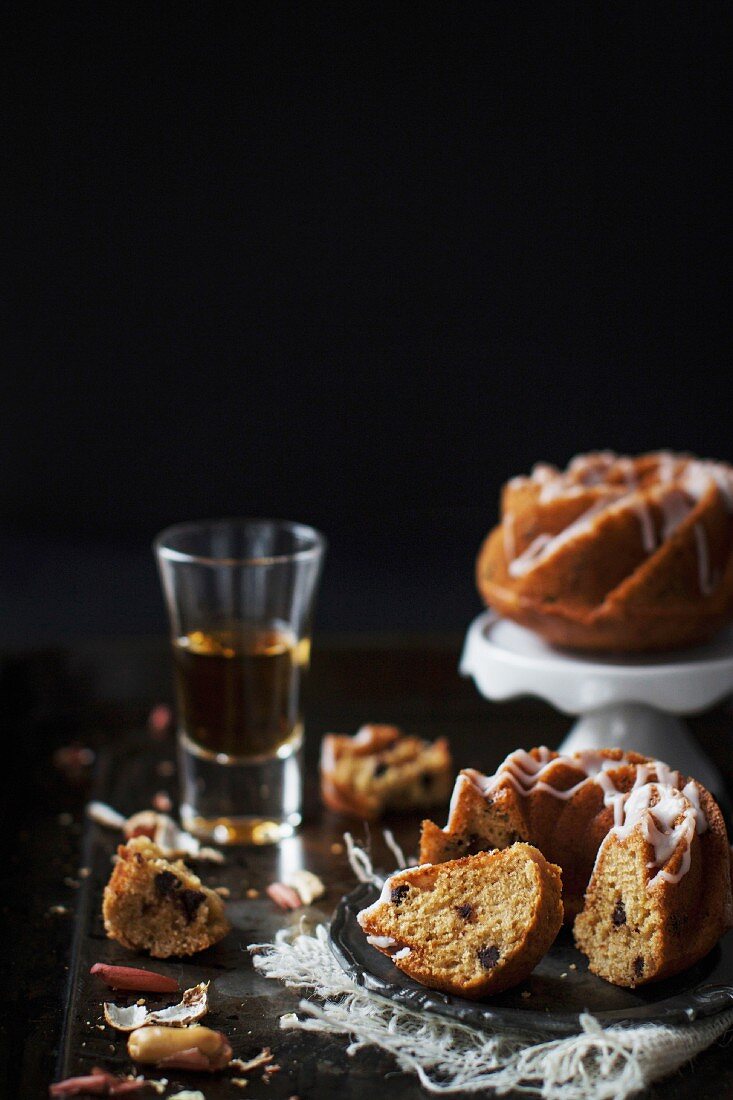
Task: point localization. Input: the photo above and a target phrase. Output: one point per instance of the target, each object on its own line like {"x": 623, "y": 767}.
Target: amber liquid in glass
{"x": 238, "y": 689}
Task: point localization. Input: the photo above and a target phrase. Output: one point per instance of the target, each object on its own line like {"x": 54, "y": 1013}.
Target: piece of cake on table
{"x": 381, "y": 769}
{"x": 156, "y": 905}
{"x": 473, "y": 926}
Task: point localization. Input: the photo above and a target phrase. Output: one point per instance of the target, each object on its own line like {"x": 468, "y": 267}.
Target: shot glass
{"x": 240, "y": 595}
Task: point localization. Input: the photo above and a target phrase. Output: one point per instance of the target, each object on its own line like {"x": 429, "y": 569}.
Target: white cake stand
{"x": 631, "y": 703}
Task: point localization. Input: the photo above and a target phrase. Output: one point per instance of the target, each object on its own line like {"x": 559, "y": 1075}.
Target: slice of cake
{"x": 473, "y": 926}
{"x": 152, "y": 904}
{"x": 380, "y": 769}
{"x": 655, "y": 903}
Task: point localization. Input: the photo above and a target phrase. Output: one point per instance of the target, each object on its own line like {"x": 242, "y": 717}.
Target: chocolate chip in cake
{"x": 190, "y": 900}
{"x": 166, "y": 883}
{"x": 638, "y": 966}
{"x": 426, "y": 780}
{"x": 488, "y": 957}
{"x": 380, "y": 768}
{"x": 619, "y": 914}
{"x": 465, "y": 911}
{"x": 399, "y": 894}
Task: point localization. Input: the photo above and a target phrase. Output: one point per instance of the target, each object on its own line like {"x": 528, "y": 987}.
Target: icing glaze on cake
{"x": 614, "y": 552}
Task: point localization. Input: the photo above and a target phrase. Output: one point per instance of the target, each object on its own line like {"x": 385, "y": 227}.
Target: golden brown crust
{"x": 155, "y": 905}
{"x": 609, "y": 587}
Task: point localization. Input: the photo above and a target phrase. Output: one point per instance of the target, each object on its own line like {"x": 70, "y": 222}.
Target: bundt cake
{"x": 615, "y": 553}
{"x": 380, "y": 769}
{"x": 153, "y": 904}
{"x": 473, "y": 926}
{"x": 651, "y": 843}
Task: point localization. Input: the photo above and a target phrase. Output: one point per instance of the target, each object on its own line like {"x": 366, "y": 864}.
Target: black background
{"x": 354, "y": 264}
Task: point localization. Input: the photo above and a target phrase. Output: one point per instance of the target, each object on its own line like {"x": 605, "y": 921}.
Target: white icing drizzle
{"x": 387, "y": 888}
{"x": 381, "y": 941}
{"x": 699, "y": 474}
{"x": 673, "y": 819}
{"x": 680, "y": 483}
{"x": 544, "y": 545}
{"x": 527, "y": 773}
{"x": 402, "y": 953}
{"x": 646, "y": 523}
{"x": 530, "y": 557}
{"x": 676, "y": 507}
{"x": 667, "y": 466}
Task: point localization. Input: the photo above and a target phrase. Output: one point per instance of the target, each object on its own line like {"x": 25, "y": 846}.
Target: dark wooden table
{"x": 100, "y": 695}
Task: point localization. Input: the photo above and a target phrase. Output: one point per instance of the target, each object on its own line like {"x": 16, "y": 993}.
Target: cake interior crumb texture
{"x": 471, "y": 926}
{"x": 155, "y": 905}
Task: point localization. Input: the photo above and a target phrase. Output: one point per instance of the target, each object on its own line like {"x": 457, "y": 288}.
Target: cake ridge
{"x": 596, "y": 765}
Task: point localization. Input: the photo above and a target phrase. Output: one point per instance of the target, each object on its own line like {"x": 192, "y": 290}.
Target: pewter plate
{"x": 560, "y": 989}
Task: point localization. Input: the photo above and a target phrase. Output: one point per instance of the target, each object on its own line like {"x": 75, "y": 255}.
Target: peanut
{"x": 152, "y": 1045}
{"x": 284, "y": 896}
{"x": 131, "y": 977}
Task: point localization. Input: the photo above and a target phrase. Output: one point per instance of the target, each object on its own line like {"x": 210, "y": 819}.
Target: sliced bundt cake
{"x": 568, "y": 806}
{"x": 472, "y": 926}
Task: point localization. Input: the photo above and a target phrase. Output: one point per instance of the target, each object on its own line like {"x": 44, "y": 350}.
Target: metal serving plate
{"x": 560, "y": 989}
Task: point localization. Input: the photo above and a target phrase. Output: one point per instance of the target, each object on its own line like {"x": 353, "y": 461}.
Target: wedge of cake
{"x": 380, "y": 769}
{"x": 473, "y": 926}
{"x": 656, "y": 902}
{"x": 155, "y": 905}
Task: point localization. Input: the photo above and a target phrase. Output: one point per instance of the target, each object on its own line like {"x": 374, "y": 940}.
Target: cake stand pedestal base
{"x": 631, "y": 703}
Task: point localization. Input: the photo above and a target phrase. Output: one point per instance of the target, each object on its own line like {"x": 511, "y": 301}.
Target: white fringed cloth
{"x": 596, "y": 1064}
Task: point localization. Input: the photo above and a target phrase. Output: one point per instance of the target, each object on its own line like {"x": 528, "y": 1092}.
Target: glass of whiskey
{"x": 240, "y": 595}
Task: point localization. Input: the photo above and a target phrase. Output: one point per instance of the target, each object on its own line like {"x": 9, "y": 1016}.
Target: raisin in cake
{"x": 380, "y": 769}
{"x": 473, "y": 926}
{"x": 152, "y": 904}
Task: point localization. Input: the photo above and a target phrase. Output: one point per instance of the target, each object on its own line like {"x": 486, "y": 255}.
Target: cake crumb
{"x": 252, "y": 893}
{"x": 526, "y": 993}
{"x": 58, "y": 910}
{"x": 262, "y": 1059}
{"x": 337, "y": 849}
{"x": 573, "y": 966}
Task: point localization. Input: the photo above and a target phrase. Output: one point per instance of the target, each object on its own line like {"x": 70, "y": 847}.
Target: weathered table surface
{"x": 100, "y": 695}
